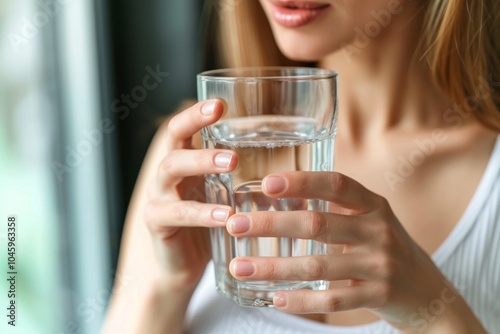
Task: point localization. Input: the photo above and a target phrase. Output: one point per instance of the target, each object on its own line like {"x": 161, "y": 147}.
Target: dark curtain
{"x": 152, "y": 55}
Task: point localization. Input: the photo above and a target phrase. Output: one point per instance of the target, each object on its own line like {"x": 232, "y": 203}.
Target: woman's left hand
{"x": 388, "y": 272}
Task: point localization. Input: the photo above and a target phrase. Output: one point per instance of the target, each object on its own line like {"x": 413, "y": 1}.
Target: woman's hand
{"x": 387, "y": 271}
{"x": 175, "y": 214}
{"x": 167, "y": 207}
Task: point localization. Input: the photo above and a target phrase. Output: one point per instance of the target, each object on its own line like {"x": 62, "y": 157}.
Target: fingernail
{"x": 243, "y": 268}
{"x": 239, "y": 224}
{"x": 274, "y": 184}
{"x": 279, "y": 300}
{"x": 223, "y": 159}
{"x": 208, "y": 108}
{"x": 220, "y": 215}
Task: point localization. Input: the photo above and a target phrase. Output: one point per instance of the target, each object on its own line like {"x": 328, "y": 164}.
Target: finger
{"x": 325, "y": 227}
{"x": 179, "y": 164}
{"x": 185, "y": 124}
{"x": 327, "y": 301}
{"x": 300, "y": 268}
{"x": 329, "y": 186}
{"x": 161, "y": 215}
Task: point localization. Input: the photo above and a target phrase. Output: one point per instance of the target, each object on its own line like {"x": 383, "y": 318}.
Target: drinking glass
{"x": 276, "y": 119}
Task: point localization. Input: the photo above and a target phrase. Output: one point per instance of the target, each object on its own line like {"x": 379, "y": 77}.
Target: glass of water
{"x": 277, "y": 119}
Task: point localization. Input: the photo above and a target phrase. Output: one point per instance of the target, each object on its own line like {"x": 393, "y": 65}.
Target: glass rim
{"x": 297, "y": 73}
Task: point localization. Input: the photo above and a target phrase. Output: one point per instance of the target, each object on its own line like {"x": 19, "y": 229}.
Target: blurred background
{"x": 83, "y": 87}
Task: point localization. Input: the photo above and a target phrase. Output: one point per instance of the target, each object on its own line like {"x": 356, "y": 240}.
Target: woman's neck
{"x": 382, "y": 87}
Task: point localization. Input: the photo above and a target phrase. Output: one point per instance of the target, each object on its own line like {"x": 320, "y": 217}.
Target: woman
{"x": 416, "y": 192}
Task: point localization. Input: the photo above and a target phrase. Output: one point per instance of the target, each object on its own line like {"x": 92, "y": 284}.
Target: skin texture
{"x": 381, "y": 266}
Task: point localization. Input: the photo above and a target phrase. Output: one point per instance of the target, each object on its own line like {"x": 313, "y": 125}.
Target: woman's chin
{"x": 301, "y": 56}
{"x": 305, "y": 52}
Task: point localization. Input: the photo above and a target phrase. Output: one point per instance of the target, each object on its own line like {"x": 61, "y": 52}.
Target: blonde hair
{"x": 241, "y": 35}
{"x": 460, "y": 40}
{"x": 463, "y": 39}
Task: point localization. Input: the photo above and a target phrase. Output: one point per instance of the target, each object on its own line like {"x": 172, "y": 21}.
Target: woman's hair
{"x": 239, "y": 35}
{"x": 463, "y": 37}
{"x": 460, "y": 40}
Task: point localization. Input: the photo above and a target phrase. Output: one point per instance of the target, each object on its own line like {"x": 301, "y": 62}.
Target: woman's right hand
{"x": 165, "y": 245}
{"x": 176, "y": 214}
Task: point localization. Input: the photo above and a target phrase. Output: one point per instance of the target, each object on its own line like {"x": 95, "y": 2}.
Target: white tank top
{"x": 469, "y": 257}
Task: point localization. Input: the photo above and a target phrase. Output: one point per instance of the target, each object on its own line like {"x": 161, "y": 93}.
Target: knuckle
{"x": 265, "y": 224}
{"x": 383, "y": 203}
{"x": 334, "y": 304}
{"x": 339, "y": 183}
{"x": 271, "y": 270}
{"x": 384, "y": 232}
{"x": 388, "y": 239}
{"x": 181, "y": 212}
{"x": 315, "y": 269}
{"x": 300, "y": 305}
{"x": 387, "y": 267}
{"x": 174, "y": 125}
{"x": 155, "y": 224}
{"x": 299, "y": 183}
{"x": 383, "y": 206}
{"x": 204, "y": 159}
{"x": 385, "y": 295}
{"x": 392, "y": 268}
{"x": 168, "y": 162}
{"x": 316, "y": 225}
{"x": 304, "y": 184}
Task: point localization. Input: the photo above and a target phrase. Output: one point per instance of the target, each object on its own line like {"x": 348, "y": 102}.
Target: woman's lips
{"x": 294, "y": 14}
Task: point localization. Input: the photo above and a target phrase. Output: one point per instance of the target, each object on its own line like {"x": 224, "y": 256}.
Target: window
{"x": 53, "y": 137}
{"x": 68, "y": 160}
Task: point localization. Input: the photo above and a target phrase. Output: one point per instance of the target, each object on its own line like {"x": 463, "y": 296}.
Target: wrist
{"x": 457, "y": 318}
{"x": 164, "y": 308}
{"x": 448, "y": 314}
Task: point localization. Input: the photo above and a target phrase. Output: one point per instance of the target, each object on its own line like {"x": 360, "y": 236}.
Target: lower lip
{"x": 293, "y": 18}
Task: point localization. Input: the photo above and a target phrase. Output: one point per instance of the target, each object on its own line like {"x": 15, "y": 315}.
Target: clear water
{"x": 264, "y": 145}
